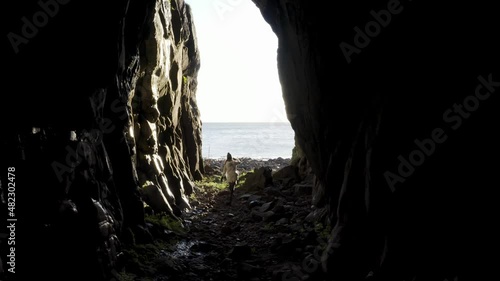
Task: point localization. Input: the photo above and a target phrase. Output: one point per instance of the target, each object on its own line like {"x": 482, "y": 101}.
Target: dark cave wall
{"x": 353, "y": 119}
{"x": 103, "y": 95}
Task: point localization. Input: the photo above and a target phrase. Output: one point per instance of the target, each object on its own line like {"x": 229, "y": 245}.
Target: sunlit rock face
{"x": 164, "y": 107}
{"x": 370, "y": 90}
{"x": 100, "y": 118}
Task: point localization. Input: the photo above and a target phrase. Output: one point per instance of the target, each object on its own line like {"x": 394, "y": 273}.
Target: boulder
{"x": 258, "y": 179}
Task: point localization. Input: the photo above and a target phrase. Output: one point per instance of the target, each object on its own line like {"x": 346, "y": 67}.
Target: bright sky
{"x": 238, "y": 79}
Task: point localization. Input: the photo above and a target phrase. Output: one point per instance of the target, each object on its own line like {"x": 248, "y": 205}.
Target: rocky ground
{"x": 266, "y": 233}
{"x": 246, "y": 164}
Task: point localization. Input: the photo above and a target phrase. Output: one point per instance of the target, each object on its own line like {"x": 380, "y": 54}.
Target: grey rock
{"x": 254, "y": 203}
{"x": 303, "y": 189}
{"x": 266, "y": 207}
{"x": 282, "y": 221}
{"x": 245, "y": 196}
{"x": 240, "y": 252}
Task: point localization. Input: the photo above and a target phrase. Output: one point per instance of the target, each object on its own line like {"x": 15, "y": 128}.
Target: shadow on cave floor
{"x": 263, "y": 235}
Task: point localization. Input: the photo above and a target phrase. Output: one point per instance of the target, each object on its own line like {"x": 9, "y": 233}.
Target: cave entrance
{"x": 239, "y": 93}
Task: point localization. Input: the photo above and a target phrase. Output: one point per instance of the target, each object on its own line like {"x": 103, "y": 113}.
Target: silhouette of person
{"x": 230, "y": 173}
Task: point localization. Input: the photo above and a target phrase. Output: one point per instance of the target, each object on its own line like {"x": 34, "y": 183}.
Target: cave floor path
{"x": 260, "y": 236}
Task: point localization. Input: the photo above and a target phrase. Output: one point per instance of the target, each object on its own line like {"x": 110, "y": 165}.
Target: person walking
{"x": 230, "y": 173}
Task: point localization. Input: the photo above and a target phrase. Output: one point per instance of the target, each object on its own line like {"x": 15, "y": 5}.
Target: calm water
{"x": 254, "y": 140}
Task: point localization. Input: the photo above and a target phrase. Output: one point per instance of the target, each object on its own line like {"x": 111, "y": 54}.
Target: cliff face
{"x": 106, "y": 120}
{"x": 164, "y": 107}
{"x": 393, "y": 104}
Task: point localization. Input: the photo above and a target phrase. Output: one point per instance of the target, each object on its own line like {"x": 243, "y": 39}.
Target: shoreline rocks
{"x": 214, "y": 166}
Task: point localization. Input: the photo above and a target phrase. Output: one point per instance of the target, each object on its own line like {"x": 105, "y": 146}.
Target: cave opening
{"x": 116, "y": 152}
{"x": 239, "y": 93}
{"x": 263, "y": 228}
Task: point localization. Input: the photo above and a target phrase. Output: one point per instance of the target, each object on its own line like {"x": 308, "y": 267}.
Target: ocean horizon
{"x": 257, "y": 140}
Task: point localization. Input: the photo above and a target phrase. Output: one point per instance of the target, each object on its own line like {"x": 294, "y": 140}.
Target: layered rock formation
{"x": 164, "y": 107}
{"x": 393, "y": 104}
{"x": 106, "y": 121}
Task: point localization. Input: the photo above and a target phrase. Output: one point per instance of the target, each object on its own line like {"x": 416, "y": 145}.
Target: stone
{"x": 245, "y": 196}
{"x": 210, "y": 170}
{"x": 317, "y": 215}
{"x": 263, "y": 216}
{"x": 266, "y": 207}
{"x": 155, "y": 198}
{"x": 282, "y": 221}
{"x": 272, "y": 191}
{"x": 202, "y": 246}
{"x": 279, "y": 205}
{"x": 254, "y": 197}
{"x": 288, "y": 172}
{"x": 258, "y": 179}
{"x": 240, "y": 252}
{"x": 303, "y": 189}
{"x": 254, "y": 203}
{"x": 226, "y": 230}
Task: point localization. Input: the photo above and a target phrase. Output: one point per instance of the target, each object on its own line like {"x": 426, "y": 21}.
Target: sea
{"x": 254, "y": 140}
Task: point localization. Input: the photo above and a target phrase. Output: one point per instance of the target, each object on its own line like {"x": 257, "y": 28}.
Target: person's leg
{"x": 231, "y": 189}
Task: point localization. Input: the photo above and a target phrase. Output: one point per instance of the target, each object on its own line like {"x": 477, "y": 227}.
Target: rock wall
{"x": 164, "y": 107}
{"x": 393, "y": 104}
{"x": 101, "y": 117}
